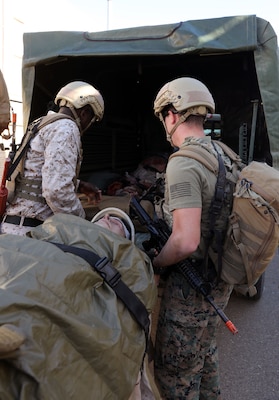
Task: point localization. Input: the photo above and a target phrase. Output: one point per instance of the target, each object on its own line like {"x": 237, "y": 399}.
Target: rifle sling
{"x": 113, "y": 278}
{"x": 39, "y": 124}
{"x": 22, "y": 151}
{"x": 214, "y": 212}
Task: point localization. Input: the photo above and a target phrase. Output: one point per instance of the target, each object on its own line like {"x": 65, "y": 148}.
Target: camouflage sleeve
{"x": 62, "y": 154}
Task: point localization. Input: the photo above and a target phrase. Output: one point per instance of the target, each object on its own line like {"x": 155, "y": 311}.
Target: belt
{"x": 23, "y": 221}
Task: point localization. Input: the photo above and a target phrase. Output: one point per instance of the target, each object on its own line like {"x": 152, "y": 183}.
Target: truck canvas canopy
{"x": 236, "y": 57}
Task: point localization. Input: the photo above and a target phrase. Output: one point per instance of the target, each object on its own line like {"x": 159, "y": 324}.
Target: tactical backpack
{"x": 250, "y": 235}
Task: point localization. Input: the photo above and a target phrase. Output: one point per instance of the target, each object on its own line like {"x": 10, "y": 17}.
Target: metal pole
{"x": 253, "y": 130}
{"x": 108, "y": 14}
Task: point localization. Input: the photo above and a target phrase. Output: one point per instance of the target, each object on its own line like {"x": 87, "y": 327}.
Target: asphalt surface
{"x": 249, "y": 360}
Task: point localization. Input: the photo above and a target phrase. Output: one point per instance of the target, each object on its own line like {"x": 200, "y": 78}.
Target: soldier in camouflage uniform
{"x": 186, "y": 355}
{"x": 52, "y": 162}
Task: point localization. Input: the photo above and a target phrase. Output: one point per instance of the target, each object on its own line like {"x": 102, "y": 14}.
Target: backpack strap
{"x": 228, "y": 151}
{"x": 113, "y": 278}
{"x": 49, "y": 118}
{"x": 200, "y": 154}
{"x": 215, "y": 209}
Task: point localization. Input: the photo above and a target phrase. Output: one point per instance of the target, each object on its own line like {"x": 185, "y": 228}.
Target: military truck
{"x": 236, "y": 57}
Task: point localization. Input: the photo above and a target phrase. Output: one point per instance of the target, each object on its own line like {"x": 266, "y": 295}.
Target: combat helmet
{"x": 78, "y": 94}
{"x": 183, "y": 94}
{"x": 186, "y": 96}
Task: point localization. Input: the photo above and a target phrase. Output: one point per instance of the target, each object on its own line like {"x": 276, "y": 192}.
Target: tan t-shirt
{"x": 189, "y": 184}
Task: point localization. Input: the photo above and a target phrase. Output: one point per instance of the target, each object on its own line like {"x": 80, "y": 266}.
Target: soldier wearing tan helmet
{"x": 83, "y": 102}
{"x": 184, "y": 97}
{"x": 186, "y": 356}
{"x": 47, "y": 182}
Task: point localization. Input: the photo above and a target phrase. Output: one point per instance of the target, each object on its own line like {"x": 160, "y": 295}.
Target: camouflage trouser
{"x": 186, "y": 356}
{"x": 15, "y": 229}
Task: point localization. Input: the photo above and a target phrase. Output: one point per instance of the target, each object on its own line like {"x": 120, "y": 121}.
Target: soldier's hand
{"x": 92, "y": 192}
{"x": 152, "y": 253}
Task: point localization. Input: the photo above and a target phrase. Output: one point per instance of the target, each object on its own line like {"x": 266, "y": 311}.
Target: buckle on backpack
{"x": 108, "y": 272}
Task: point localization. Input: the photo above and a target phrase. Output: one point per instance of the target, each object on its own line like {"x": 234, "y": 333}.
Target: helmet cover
{"x": 182, "y": 94}
{"x": 78, "y": 94}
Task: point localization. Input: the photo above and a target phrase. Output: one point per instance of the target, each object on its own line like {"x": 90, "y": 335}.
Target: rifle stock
{"x": 160, "y": 232}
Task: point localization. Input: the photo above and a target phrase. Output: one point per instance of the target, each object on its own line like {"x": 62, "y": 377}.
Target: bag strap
{"x": 215, "y": 209}
{"x": 113, "y": 278}
{"x": 37, "y": 125}
{"x": 200, "y": 154}
{"x": 205, "y": 157}
{"x": 228, "y": 151}
{"x": 22, "y": 149}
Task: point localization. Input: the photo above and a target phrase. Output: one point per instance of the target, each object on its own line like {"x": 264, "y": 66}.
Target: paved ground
{"x": 250, "y": 360}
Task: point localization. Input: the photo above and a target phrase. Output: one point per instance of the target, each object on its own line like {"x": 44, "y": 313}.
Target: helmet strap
{"x": 180, "y": 121}
{"x": 90, "y": 123}
{"x": 76, "y": 117}
{"x": 200, "y": 110}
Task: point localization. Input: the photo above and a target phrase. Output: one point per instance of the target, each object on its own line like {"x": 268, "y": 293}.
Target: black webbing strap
{"x": 113, "y": 278}
{"x": 25, "y": 143}
{"x": 22, "y": 150}
{"x": 214, "y": 211}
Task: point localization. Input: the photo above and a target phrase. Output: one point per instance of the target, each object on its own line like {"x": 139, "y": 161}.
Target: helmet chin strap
{"x": 76, "y": 117}
{"x": 180, "y": 121}
{"x": 64, "y": 103}
{"x": 200, "y": 110}
{"x": 90, "y": 123}
{"x": 78, "y": 121}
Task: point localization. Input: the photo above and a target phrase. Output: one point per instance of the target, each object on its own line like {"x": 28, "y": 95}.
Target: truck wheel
{"x": 260, "y": 287}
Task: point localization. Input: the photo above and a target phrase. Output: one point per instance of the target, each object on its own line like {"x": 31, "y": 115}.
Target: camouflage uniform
{"x": 53, "y": 161}
{"x": 186, "y": 356}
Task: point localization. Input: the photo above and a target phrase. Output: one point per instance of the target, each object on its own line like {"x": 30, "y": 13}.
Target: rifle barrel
{"x": 194, "y": 279}
{"x": 223, "y": 316}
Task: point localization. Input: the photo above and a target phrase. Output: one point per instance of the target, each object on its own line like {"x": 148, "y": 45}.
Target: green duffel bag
{"x": 81, "y": 342}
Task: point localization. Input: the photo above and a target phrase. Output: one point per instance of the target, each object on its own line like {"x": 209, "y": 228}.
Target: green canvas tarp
{"x": 198, "y": 47}
{"x": 81, "y": 340}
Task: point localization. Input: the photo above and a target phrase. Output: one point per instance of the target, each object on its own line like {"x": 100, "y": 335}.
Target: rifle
{"x": 160, "y": 232}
